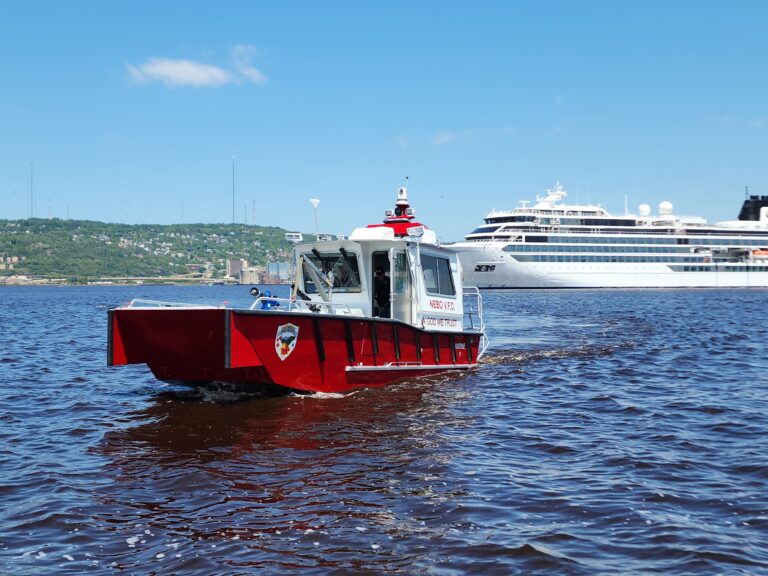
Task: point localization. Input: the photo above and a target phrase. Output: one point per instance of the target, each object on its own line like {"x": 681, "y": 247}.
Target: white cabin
{"x": 423, "y": 284}
{"x": 424, "y": 279}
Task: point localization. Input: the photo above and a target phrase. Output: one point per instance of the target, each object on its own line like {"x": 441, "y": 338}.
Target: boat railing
{"x": 145, "y": 303}
{"x": 473, "y": 315}
{"x": 291, "y": 305}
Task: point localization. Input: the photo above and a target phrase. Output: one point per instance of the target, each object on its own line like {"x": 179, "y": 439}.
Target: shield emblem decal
{"x": 285, "y": 340}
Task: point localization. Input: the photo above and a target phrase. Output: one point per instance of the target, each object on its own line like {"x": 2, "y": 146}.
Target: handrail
{"x": 645, "y": 230}
{"x": 291, "y": 305}
{"x": 473, "y": 318}
{"x": 145, "y": 303}
{"x": 473, "y": 308}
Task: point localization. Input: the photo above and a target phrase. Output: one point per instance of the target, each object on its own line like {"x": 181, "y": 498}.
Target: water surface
{"x": 606, "y": 432}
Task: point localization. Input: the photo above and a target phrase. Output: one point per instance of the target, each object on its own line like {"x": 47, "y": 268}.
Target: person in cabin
{"x": 381, "y": 294}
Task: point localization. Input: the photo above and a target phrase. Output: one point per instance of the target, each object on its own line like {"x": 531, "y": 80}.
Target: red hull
{"x": 329, "y": 354}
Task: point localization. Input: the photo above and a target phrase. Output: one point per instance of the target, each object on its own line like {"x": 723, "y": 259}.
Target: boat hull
{"x": 492, "y": 268}
{"x": 300, "y": 351}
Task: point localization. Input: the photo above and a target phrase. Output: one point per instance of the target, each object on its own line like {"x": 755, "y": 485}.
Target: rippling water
{"x": 608, "y": 432}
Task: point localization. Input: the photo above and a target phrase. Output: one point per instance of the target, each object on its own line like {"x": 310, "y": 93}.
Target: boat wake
{"x": 323, "y": 395}
{"x": 223, "y": 392}
{"x": 227, "y": 393}
{"x": 525, "y": 356}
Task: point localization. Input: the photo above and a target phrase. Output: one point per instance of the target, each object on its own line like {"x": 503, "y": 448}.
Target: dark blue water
{"x": 607, "y": 432}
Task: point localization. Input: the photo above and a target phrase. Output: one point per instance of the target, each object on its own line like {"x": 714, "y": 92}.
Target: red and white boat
{"x": 334, "y": 333}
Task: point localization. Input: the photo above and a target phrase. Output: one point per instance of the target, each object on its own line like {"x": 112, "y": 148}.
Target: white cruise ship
{"x": 557, "y": 245}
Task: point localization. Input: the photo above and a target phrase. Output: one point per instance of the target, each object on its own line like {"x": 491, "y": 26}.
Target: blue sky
{"x": 132, "y": 111}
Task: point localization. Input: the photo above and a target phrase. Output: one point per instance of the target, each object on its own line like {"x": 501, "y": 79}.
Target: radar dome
{"x": 644, "y": 209}
{"x": 665, "y": 208}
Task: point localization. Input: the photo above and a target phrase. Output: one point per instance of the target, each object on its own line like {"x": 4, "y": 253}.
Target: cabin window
{"x": 401, "y": 273}
{"x": 342, "y": 266}
{"x": 437, "y": 275}
{"x": 484, "y": 229}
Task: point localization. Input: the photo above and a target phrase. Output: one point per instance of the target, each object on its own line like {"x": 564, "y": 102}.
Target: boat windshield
{"x": 341, "y": 266}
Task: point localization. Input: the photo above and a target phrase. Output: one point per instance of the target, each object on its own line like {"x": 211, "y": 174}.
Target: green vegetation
{"x": 81, "y": 250}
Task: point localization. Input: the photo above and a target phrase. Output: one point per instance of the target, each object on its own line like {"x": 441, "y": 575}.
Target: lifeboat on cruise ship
{"x": 761, "y": 254}
{"x": 384, "y": 305}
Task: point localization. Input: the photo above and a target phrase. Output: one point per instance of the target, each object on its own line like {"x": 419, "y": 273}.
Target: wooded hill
{"x": 81, "y": 250}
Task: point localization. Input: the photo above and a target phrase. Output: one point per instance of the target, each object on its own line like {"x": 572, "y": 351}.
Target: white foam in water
{"x": 217, "y": 395}
{"x": 325, "y": 395}
{"x": 131, "y": 541}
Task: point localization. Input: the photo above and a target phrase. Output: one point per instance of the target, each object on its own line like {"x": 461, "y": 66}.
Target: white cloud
{"x": 402, "y": 141}
{"x": 242, "y": 54}
{"x": 444, "y": 138}
{"x": 179, "y": 72}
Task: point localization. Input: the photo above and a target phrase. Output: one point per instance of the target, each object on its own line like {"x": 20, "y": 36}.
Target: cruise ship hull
{"x": 490, "y": 267}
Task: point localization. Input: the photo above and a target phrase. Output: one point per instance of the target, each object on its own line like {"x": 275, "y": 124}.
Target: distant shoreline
{"x": 168, "y": 281}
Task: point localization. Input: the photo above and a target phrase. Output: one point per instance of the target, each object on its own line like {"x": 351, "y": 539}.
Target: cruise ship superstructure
{"x": 557, "y": 245}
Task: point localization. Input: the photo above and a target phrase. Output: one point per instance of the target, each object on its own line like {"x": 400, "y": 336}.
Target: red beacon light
{"x": 401, "y": 218}
{"x": 403, "y": 211}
